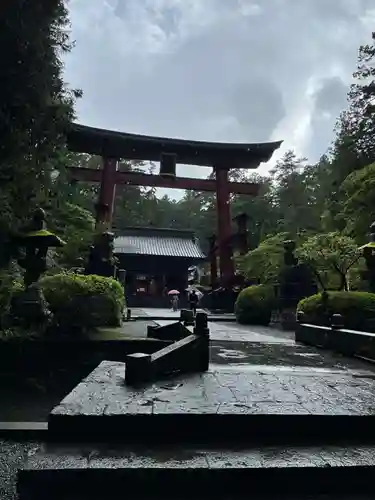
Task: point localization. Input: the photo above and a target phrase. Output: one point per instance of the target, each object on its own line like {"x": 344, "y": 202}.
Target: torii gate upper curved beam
{"x": 112, "y": 146}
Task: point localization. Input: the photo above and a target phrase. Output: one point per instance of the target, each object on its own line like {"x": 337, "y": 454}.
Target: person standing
{"x": 175, "y": 302}
{"x": 193, "y": 299}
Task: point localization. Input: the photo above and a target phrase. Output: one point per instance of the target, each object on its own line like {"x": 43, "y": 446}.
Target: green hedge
{"x": 357, "y": 309}
{"x": 81, "y": 302}
{"x": 10, "y": 283}
{"x": 254, "y": 305}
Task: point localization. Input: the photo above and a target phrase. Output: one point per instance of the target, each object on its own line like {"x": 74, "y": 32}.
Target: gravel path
{"x": 12, "y": 456}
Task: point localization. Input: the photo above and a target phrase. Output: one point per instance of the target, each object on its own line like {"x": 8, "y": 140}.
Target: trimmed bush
{"x": 357, "y": 309}
{"x": 254, "y": 305}
{"x": 81, "y": 302}
{"x": 10, "y": 283}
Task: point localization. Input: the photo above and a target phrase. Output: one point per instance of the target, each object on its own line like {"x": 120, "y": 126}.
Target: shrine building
{"x": 156, "y": 260}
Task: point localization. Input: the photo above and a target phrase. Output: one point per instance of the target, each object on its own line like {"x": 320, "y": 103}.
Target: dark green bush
{"x": 254, "y": 305}
{"x": 10, "y": 283}
{"x": 81, "y": 302}
{"x": 357, "y": 309}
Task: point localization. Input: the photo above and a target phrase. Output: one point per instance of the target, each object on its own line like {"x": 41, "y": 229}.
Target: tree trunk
{"x": 343, "y": 283}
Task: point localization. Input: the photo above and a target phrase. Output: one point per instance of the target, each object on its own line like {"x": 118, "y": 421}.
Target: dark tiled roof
{"x": 84, "y": 139}
{"x": 158, "y": 242}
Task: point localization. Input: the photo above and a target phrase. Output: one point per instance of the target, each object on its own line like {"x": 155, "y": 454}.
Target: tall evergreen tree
{"x": 354, "y": 146}
{"x": 35, "y": 104}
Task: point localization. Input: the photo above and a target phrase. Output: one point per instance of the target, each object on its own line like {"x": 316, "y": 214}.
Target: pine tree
{"x": 35, "y": 104}
{"x": 354, "y": 146}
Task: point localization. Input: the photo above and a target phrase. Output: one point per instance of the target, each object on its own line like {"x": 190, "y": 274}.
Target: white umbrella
{"x": 199, "y": 293}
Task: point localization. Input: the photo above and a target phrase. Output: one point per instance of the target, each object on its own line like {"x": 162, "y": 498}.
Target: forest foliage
{"x": 329, "y": 203}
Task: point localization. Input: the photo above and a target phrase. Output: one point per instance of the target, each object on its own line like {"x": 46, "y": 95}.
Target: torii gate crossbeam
{"x": 113, "y": 146}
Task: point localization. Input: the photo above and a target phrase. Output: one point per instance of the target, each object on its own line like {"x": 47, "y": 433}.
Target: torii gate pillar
{"x": 105, "y": 205}
{"x": 213, "y": 260}
{"x": 224, "y": 229}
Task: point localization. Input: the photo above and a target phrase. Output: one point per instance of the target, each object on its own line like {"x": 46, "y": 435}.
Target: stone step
{"x": 163, "y": 317}
{"x": 102, "y": 471}
{"x": 231, "y": 405}
{"x": 264, "y": 428}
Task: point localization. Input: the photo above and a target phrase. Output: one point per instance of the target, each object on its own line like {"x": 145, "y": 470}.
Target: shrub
{"x": 357, "y": 309}
{"x": 82, "y": 302}
{"x": 17, "y": 333}
{"x": 10, "y": 283}
{"x": 254, "y": 305}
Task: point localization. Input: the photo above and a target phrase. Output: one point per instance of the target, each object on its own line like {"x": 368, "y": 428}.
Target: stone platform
{"x": 156, "y": 314}
{"x": 226, "y": 403}
{"x": 101, "y": 471}
{"x": 270, "y": 419}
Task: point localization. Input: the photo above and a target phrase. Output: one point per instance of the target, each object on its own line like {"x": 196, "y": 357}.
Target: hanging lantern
{"x": 167, "y": 165}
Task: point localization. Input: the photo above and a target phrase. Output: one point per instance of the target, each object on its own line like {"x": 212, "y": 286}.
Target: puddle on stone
{"x": 303, "y": 370}
{"x": 308, "y": 354}
{"x": 232, "y": 354}
{"x": 171, "y": 387}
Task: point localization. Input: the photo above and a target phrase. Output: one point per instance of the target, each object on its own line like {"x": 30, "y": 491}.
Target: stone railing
{"x": 188, "y": 353}
{"x": 174, "y": 331}
{"x": 336, "y": 337}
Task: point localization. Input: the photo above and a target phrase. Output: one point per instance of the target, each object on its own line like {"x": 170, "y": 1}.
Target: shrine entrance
{"x": 222, "y": 157}
{"x": 156, "y": 261}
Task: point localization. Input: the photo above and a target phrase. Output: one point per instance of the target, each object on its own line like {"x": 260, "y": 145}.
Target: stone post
{"x": 337, "y": 322}
{"x": 138, "y": 368}
{"x": 201, "y": 324}
{"x": 187, "y": 317}
{"x": 202, "y": 331}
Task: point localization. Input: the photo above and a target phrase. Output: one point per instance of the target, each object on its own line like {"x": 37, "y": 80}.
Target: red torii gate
{"x": 222, "y": 157}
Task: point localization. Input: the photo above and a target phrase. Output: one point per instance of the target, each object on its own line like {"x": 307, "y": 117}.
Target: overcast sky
{"x": 218, "y": 70}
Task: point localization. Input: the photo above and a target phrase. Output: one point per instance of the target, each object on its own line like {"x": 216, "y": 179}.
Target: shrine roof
{"x": 158, "y": 242}
{"x": 84, "y": 139}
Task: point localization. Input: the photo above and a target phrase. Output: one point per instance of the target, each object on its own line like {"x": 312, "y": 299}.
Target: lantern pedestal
{"x": 29, "y": 309}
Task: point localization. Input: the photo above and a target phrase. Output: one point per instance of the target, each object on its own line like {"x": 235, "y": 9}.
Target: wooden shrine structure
{"x": 222, "y": 157}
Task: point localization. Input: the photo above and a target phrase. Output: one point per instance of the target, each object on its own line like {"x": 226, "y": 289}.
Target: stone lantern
{"x": 29, "y": 307}
{"x": 36, "y": 240}
{"x": 295, "y": 283}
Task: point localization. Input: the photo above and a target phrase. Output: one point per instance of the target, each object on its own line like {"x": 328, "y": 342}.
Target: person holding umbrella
{"x": 174, "y": 299}
{"x": 193, "y": 299}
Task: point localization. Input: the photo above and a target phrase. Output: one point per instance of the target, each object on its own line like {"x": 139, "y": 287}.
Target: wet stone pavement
{"x": 109, "y": 455}
{"x": 227, "y": 389}
{"x": 253, "y": 371}
{"x": 257, "y": 369}
{"x": 258, "y": 348}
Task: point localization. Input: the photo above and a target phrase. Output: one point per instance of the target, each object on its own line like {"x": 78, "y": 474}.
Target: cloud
{"x": 329, "y": 99}
{"x": 242, "y": 70}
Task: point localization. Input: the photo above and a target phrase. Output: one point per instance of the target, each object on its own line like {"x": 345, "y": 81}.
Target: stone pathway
{"x": 253, "y": 371}
{"x": 227, "y": 389}
{"x": 259, "y": 361}
{"x": 225, "y": 331}
{"x": 154, "y": 311}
